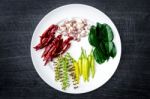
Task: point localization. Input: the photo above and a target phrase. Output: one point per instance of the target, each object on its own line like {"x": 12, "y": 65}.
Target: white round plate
{"x": 103, "y": 72}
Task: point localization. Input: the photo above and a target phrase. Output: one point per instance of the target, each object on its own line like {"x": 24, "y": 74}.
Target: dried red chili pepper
{"x": 65, "y": 48}
{"x": 41, "y": 45}
{"x": 49, "y": 40}
{"x": 53, "y": 30}
{"x": 66, "y": 44}
{"x": 47, "y": 54}
{"x": 51, "y": 35}
{"x": 68, "y": 40}
{"x": 50, "y": 55}
{"x": 51, "y": 45}
{"x": 51, "y": 49}
{"x": 59, "y": 49}
{"x": 45, "y": 34}
{"x": 60, "y": 45}
{"x": 47, "y": 37}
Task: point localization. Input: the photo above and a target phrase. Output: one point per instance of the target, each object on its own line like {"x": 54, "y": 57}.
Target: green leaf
{"x": 107, "y": 33}
{"x": 93, "y": 40}
{"x": 99, "y": 31}
{"x": 108, "y": 47}
{"x": 104, "y": 50}
{"x": 98, "y": 56}
{"x": 113, "y": 51}
{"x": 101, "y": 37}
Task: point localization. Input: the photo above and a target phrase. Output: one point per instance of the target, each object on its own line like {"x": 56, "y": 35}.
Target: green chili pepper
{"x": 80, "y": 65}
{"x": 92, "y": 66}
{"x": 89, "y": 63}
{"x": 84, "y": 65}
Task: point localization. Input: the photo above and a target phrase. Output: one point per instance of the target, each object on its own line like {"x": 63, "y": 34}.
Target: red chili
{"x": 51, "y": 53}
{"x": 54, "y": 46}
{"x": 68, "y": 40}
{"x": 47, "y": 54}
{"x": 51, "y": 35}
{"x": 47, "y": 48}
{"x": 59, "y": 49}
{"x": 51, "y": 45}
{"x": 49, "y": 40}
{"x": 65, "y": 48}
{"x": 47, "y": 37}
{"x": 50, "y": 58}
{"x": 53, "y": 30}
{"x": 51, "y": 49}
{"x": 41, "y": 45}
{"x": 45, "y": 34}
{"x": 60, "y": 46}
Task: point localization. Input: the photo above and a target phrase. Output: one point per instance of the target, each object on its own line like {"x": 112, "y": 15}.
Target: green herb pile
{"x": 101, "y": 38}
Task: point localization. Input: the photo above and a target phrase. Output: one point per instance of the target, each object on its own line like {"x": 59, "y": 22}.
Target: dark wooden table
{"x": 18, "y": 78}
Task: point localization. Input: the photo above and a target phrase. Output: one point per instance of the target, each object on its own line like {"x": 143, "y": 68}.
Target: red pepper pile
{"x": 54, "y": 46}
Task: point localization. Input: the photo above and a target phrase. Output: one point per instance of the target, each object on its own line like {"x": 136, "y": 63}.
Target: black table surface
{"x": 18, "y": 78}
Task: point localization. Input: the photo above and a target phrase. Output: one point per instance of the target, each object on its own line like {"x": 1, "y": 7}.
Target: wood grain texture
{"x": 18, "y": 78}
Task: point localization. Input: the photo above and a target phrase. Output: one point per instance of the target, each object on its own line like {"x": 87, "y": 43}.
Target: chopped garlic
{"x": 75, "y": 27}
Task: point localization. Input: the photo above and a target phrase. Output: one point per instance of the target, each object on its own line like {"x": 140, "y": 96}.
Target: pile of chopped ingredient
{"x": 53, "y": 45}
{"x": 75, "y": 27}
{"x": 66, "y": 66}
{"x": 52, "y": 40}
